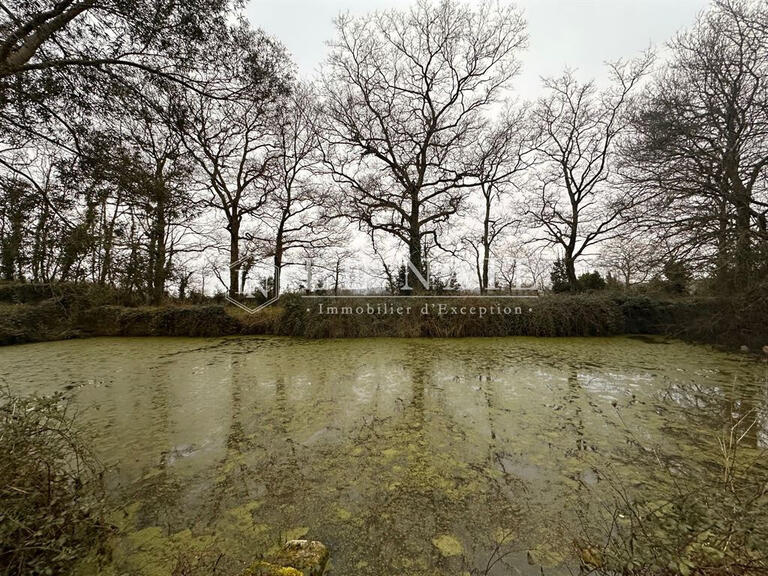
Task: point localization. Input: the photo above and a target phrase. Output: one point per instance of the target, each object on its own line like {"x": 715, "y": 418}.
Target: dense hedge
{"x": 547, "y": 316}
{"x": 31, "y": 313}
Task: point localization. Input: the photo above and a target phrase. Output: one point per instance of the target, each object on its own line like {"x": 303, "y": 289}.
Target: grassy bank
{"x": 31, "y": 313}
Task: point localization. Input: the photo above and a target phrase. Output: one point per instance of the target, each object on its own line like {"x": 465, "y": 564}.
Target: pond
{"x": 405, "y": 457}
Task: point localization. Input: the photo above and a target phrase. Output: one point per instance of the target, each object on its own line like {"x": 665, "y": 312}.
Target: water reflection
{"x": 404, "y": 456}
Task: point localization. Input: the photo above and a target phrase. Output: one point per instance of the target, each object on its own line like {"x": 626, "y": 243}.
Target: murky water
{"x": 405, "y": 457}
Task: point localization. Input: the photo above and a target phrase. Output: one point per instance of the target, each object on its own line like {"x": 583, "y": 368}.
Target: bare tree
{"x": 579, "y": 201}
{"x": 701, "y": 144}
{"x": 232, "y": 146}
{"x": 404, "y": 92}
{"x": 504, "y": 149}
{"x": 233, "y": 141}
{"x": 297, "y": 215}
{"x": 334, "y": 268}
{"x": 383, "y": 269}
{"x": 521, "y": 262}
{"x": 632, "y": 257}
{"x": 507, "y": 272}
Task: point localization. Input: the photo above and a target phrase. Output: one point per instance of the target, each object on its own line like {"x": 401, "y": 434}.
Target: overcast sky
{"x": 581, "y": 34}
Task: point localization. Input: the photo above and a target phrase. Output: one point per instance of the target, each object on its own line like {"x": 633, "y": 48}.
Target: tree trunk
{"x": 414, "y": 255}
{"x": 722, "y": 259}
{"x": 743, "y": 252}
{"x": 183, "y": 282}
{"x": 39, "y": 245}
{"x": 234, "y": 253}
{"x": 13, "y": 241}
{"x": 742, "y": 257}
{"x": 486, "y": 243}
{"x": 279, "y": 253}
{"x": 336, "y": 277}
{"x": 486, "y": 259}
{"x": 157, "y": 254}
{"x": 570, "y": 269}
{"x": 109, "y": 240}
{"x": 570, "y": 248}
{"x": 414, "y": 249}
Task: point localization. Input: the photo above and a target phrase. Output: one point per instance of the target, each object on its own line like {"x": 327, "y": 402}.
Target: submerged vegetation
{"x": 705, "y": 520}
{"x": 631, "y": 456}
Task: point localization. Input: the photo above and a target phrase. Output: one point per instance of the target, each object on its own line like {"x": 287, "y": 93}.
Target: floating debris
{"x": 448, "y": 545}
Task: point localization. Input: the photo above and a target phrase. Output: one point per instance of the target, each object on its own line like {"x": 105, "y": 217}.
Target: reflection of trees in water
{"x": 572, "y": 410}
{"x": 415, "y": 483}
{"x": 500, "y": 554}
{"x": 160, "y": 492}
{"x": 231, "y": 473}
{"x": 738, "y": 406}
{"x": 401, "y": 480}
{"x": 262, "y": 459}
{"x": 389, "y": 534}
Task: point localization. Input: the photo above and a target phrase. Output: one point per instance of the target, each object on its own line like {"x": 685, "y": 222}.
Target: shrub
{"x": 677, "y": 277}
{"x": 591, "y": 281}
{"x": 559, "y": 277}
{"x": 51, "y": 496}
{"x": 561, "y": 315}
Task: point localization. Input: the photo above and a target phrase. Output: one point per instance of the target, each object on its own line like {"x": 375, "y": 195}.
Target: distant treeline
{"x": 147, "y": 145}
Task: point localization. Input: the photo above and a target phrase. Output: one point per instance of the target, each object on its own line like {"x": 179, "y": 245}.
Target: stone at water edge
{"x": 744, "y": 348}
{"x": 309, "y": 557}
{"x": 295, "y": 558}
{"x": 267, "y": 569}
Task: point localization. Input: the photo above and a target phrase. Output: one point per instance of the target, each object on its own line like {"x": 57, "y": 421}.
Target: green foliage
{"x": 51, "y": 503}
{"x": 591, "y": 281}
{"x": 676, "y": 277}
{"x": 171, "y": 321}
{"x": 559, "y": 277}
{"x": 613, "y": 283}
{"x": 294, "y": 318}
{"x": 441, "y": 286}
{"x": 37, "y": 312}
{"x": 562, "y": 315}
{"x": 16, "y": 203}
{"x": 645, "y": 315}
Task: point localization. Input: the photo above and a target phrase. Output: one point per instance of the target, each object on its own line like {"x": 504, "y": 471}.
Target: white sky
{"x": 582, "y": 34}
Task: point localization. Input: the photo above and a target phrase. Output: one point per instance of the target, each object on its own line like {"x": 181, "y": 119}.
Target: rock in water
{"x": 309, "y": 557}
{"x": 296, "y": 558}
{"x": 268, "y": 569}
